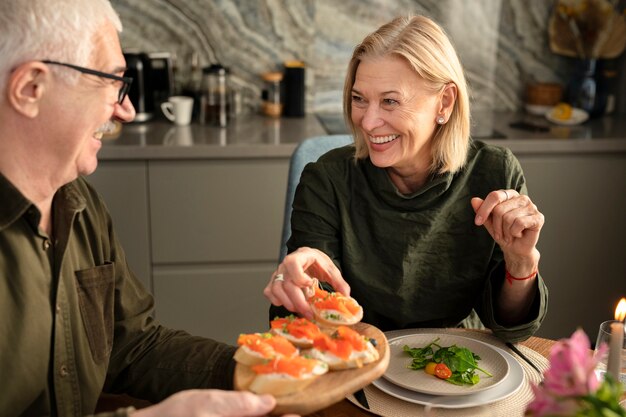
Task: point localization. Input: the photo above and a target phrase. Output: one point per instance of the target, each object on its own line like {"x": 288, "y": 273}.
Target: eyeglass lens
{"x": 123, "y": 91}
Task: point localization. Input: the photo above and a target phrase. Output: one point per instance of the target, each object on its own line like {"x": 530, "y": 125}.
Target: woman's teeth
{"x": 382, "y": 139}
{"x": 98, "y": 135}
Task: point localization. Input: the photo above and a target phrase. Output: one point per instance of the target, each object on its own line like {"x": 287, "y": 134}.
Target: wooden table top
{"x": 346, "y": 409}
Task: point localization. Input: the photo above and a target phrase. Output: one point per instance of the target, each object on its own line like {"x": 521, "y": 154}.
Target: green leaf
{"x": 462, "y": 362}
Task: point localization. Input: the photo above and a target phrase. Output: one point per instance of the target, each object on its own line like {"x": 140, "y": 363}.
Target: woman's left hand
{"x": 513, "y": 221}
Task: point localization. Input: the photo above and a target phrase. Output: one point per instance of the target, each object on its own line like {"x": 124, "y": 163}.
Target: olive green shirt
{"x": 413, "y": 260}
{"x": 75, "y": 321}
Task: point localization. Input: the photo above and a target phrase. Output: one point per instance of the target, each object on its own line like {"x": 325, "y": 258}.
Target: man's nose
{"x": 124, "y": 112}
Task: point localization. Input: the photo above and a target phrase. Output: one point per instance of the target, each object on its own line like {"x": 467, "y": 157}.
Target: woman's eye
{"x": 358, "y": 101}
{"x": 389, "y": 102}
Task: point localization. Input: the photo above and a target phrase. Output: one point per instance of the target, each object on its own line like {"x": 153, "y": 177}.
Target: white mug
{"x": 178, "y": 109}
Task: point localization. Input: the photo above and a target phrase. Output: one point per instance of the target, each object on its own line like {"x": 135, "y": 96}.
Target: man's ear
{"x": 448, "y": 98}
{"x": 26, "y": 86}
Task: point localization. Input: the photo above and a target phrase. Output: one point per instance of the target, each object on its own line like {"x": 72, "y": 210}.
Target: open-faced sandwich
{"x": 258, "y": 348}
{"x": 298, "y": 330}
{"x": 282, "y": 375}
{"x": 333, "y": 308}
{"x": 343, "y": 349}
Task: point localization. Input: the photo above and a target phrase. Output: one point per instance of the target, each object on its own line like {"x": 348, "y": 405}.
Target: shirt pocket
{"x": 96, "y": 292}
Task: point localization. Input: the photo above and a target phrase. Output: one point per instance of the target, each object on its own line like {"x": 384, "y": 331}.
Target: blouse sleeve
{"x": 315, "y": 220}
{"x": 513, "y": 178}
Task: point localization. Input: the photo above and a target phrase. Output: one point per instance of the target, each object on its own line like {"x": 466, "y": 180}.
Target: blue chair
{"x": 307, "y": 151}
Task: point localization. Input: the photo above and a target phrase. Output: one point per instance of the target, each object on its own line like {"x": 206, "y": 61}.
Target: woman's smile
{"x": 382, "y": 139}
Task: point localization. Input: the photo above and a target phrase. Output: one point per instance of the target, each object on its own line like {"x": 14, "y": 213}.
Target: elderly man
{"x": 74, "y": 319}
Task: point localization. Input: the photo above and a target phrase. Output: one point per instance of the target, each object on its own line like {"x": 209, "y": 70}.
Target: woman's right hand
{"x": 294, "y": 276}
{"x": 211, "y": 403}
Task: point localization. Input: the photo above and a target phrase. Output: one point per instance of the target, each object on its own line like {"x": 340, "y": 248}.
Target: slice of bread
{"x": 298, "y": 330}
{"x": 258, "y": 348}
{"x": 283, "y": 376}
{"x": 332, "y": 308}
{"x": 345, "y": 348}
{"x": 335, "y": 363}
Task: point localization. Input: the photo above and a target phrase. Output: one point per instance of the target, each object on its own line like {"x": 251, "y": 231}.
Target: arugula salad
{"x": 454, "y": 364}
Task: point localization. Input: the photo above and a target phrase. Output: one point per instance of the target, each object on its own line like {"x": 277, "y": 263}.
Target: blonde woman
{"x": 418, "y": 222}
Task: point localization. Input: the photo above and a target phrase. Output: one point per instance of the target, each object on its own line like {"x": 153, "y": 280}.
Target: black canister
{"x": 294, "y": 89}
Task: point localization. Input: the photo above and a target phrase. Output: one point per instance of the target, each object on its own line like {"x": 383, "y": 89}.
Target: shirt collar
{"x": 424, "y": 197}
{"x": 14, "y": 204}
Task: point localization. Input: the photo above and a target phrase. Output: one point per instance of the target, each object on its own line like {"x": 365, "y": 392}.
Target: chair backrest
{"x": 309, "y": 150}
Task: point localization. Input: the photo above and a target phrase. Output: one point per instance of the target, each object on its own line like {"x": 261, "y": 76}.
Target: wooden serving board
{"x": 331, "y": 387}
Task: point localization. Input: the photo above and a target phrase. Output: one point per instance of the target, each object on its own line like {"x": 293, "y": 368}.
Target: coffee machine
{"x": 153, "y": 81}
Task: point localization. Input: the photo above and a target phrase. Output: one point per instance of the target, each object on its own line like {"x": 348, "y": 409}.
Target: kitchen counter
{"x": 256, "y": 136}
{"x": 252, "y": 136}
{"x": 536, "y": 135}
{"x": 533, "y": 134}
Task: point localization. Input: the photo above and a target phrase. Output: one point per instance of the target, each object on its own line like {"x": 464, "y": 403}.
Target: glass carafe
{"x": 215, "y": 98}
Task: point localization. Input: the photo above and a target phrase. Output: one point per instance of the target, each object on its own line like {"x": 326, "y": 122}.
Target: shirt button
{"x": 58, "y": 309}
{"x": 46, "y": 244}
{"x": 63, "y": 371}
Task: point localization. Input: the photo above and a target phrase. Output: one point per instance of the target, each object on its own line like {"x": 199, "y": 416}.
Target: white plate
{"x": 537, "y": 109}
{"x": 578, "y": 116}
{"x": 400, "y": 374}
{"x": 511, "y": 384}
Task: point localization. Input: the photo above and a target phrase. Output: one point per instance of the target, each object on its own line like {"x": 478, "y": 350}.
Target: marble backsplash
{"x": 503, "y": 45}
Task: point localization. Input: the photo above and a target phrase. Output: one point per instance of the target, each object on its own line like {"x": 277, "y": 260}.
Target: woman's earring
{"x": 441, "y": 120}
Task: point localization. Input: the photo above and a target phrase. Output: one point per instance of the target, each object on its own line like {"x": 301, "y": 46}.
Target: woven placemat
{"x": 385, "y": 405}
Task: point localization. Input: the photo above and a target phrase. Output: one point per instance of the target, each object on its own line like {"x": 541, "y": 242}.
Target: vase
{"x": 583, "y": 86}
{"x": 592, "y": 86}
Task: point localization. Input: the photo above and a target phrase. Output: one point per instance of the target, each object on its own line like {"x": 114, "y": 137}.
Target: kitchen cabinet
{"x": 216, "y": 229}
{"x": 202, "y": 235}
{"x": 582, "y": 197}
{"x": 213, "y": 300}
{"x": 216, "y": 211}
{"x": 123, "y": 185}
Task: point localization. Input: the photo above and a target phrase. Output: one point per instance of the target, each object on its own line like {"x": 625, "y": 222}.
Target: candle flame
{"x": 620, "y": 311}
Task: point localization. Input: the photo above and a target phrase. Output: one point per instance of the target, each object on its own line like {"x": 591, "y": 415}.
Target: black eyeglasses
{"x": 126, "y": 81}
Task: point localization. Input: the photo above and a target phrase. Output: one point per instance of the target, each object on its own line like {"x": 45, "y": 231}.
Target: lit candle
{"x": 617, "y": 340}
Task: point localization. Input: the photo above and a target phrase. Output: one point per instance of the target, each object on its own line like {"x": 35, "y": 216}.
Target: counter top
{"x": 527, "y": 134}
{"x": 257, "y": 136}
{"x": 253, "y": 136}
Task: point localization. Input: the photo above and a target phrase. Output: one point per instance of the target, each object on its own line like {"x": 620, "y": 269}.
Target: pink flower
{"x": 570, "y": 381}
{"x": 545, "y": 404}
{"x": 572, "y": 366}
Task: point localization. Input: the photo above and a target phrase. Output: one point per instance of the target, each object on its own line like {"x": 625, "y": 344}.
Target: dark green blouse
{"x": 411, "y": 260}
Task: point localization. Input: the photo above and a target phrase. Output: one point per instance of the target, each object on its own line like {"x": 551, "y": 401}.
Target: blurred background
{"x": 505, "y": 46}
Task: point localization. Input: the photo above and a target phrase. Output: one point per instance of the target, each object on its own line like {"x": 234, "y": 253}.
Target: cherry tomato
{"x": 442, "y": 371}
{"x": 430, "y": 368}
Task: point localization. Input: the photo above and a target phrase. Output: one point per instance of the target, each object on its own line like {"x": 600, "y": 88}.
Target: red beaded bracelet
{"x": 510, "y": 278}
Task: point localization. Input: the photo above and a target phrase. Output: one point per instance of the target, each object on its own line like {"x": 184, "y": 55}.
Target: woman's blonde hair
{"x": 429, "y": 52}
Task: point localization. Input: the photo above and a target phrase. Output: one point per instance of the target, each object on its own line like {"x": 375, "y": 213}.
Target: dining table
{"x": 346, "y": 408}
{"x": 531, "y": 354}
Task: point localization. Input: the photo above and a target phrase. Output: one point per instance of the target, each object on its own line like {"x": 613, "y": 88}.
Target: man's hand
{"x": 211, "y": 403}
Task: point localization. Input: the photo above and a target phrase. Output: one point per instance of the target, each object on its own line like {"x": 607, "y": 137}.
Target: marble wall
{"x": 502, "y": 44}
